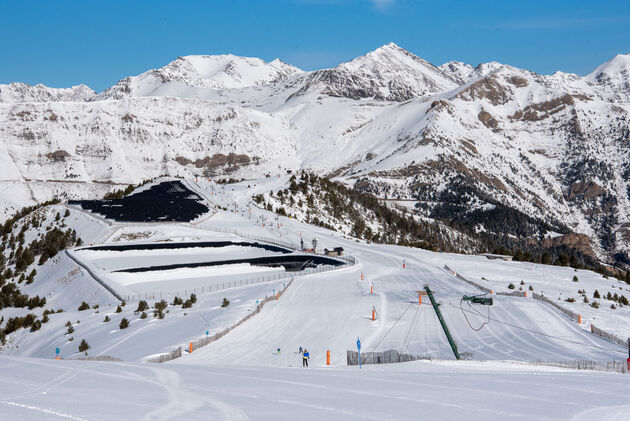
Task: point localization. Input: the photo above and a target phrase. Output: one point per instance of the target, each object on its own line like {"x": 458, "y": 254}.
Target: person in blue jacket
{"x": 305, "y": 358}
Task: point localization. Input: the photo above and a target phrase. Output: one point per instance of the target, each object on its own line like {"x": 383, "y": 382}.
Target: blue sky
{"x": 64, "y": 43}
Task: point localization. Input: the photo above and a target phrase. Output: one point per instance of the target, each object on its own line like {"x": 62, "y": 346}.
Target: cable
{"x": 544, "y": 334}
{"x": 390, "y": 329}
{"x": 476, "y": 312}
{"x": 411, "y": 328}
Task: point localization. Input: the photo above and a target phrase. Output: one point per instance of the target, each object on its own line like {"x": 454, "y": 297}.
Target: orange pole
{"x": 525, "y": 294}
{"x": 328, "y": 357}
{"x": 491, "y": 292}
{"x": 190, "y": 346}
{"x": 419, "y": 299}
{"x": 373, "y": 315}
{"x": 277, "y": 295}
{"x": 579, "y": 319}
{"x": 371, "y": 289}
{"x": 361, "y": 275}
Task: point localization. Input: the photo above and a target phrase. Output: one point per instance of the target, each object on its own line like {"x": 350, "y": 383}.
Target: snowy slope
{"x": 310, "y": 311}
{"x": 80, "y": 390}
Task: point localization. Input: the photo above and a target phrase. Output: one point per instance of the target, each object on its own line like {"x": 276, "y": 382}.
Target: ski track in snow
{"x": 240, "y": 376}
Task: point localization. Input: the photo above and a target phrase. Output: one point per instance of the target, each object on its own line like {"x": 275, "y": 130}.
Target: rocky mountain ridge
{"x": 492, "y": 150}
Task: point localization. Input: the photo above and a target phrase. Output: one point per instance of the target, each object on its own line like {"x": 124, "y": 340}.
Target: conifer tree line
{"x": 451, "y": 227}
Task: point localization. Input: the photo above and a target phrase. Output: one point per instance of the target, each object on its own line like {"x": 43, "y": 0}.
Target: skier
{"x": 300, "y": 351}
{"x": 305, "y": 357}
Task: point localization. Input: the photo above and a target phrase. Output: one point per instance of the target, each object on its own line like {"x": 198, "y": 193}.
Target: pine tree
{"x": 83, "y": 346}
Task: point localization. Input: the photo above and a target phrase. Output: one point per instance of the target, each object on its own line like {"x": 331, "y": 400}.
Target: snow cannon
{"x": 476, "y": 299}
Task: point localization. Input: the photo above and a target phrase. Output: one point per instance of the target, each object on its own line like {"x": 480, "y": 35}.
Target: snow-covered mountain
{"x": 389, "y": 73}
{"x": 213, "y": 72}
{"x": 21, "y": 92}
{"x": 491, "y": 148}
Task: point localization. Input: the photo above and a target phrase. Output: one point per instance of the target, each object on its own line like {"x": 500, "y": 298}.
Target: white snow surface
{"x": 89, "y": 390}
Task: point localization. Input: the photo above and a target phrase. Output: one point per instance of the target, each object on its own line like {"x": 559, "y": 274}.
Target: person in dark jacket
{"x": 305, "y": 358}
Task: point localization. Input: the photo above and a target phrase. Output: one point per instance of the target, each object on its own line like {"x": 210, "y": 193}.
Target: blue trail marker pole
{"x": 57, "y": 350}
{"x": 359, "y": 349}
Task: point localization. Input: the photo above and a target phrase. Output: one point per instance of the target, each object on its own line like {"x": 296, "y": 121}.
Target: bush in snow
{"x": 596, "y": 294}
{"x": 160, "y": 306}
{"x": 142, "y": 306}
{"x": 107, "y": 319}
{"x": 177, "y": 301}
{"x": 575, "y": 278}
{"x": 193, "y": 298}
{"x": 225, "y": 302}
{"x": 118, "y": 309}
{"x": 570, "y": 300}
{"x": 124, "y": 323}
{"x": 586, "y": 300}
{"x": 84, "y": 306}
{"x": 83, "y": 346}
{"x": 143, "y": 315}
{"x": 511, "y": 286}
{"x": 70, "y": 330}
{"x": 36, "y": 326}
{"x": 595, "y": 304}
{"x": 187, "y": 304}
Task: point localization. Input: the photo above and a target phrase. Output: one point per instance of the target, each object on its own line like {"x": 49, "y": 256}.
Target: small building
{"x": 337, "y": 251}
{"x": 491, "y": 256}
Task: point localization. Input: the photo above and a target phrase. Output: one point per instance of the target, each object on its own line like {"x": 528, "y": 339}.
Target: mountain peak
{"x": 22, "y": 92}
{"x": 614, "y": 77}
{"x": 224, "y": 71}
{"x": 388, "y": 73}
{"x": 618, "y": 64}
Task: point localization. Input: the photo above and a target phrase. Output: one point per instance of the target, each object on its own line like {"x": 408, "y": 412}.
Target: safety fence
{"x": 209, "y": 339}
{"x": 574, "y": 316}
{"x": 393, "y": 356}
{"x": 476, "y": 285}
{"x": 94, "y": 275}
{"x": 382, "y": 357}
{"x": 513, "y": 293}
{"x": 612, "y": 366}
{"x": 348, "y": 259}
{"x": 269, "y": 240}
{"x": 168, "y": 356}
{"x": 611, "y": 337}
{"x": 229, "y": 284}
{"x": 276, "y": 242}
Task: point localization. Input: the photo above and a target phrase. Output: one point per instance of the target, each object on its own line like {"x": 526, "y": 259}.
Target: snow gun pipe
{"x": 436, "y": 307}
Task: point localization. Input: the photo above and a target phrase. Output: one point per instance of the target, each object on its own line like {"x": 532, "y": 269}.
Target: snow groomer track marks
{"x": 169, "y": 201}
